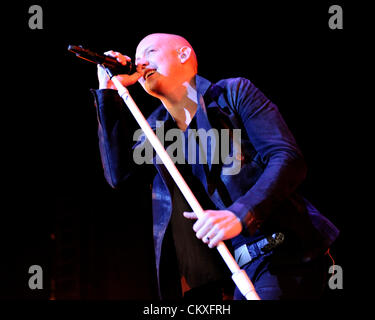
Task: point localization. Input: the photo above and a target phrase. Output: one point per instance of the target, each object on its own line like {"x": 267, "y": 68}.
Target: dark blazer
{"x": 271, "y": 167}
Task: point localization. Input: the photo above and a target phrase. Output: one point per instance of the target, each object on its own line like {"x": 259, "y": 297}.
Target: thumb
{"x": 135, "y": 76}
{"x": 190, "y": 215}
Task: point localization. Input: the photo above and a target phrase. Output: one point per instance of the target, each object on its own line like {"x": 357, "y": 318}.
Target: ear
{"x": 184, "y": 54}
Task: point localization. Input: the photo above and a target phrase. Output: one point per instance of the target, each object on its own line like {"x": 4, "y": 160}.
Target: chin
{"x": 154, "y": 88}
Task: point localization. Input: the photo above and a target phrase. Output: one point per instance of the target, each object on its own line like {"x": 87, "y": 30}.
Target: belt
{"x": 248, "y": 252}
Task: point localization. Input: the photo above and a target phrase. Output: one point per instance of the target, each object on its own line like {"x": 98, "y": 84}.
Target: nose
{"x": 142, "y": 63}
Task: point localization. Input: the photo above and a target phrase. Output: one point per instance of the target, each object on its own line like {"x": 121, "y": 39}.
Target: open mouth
{"x": 148, "y": 74}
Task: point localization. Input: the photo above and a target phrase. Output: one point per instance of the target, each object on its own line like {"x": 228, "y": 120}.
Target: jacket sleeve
{"x": 284, "y": 166}
{"x": 115, "y": 132}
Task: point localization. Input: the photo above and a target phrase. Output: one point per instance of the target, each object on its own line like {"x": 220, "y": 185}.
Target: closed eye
{"x": 151, "y": 51}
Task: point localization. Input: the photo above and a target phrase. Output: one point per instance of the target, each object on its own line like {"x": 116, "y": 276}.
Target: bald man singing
{"x": 276, "y": 235}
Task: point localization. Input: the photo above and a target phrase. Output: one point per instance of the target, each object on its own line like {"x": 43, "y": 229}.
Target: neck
{"x": 182, "y": 103}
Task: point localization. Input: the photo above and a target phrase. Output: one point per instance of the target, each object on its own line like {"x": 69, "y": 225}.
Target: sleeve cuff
{"x": 109, "y": 96}
{"x": 249, "y": 223}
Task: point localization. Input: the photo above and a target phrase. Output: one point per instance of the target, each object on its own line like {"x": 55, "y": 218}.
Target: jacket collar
{"x": 161, "y": 114}
{"x": 202, "y": 85}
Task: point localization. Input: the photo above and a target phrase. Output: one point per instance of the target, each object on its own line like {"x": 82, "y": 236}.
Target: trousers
{"x": 279, "y": 276}
{"x": 275, "y": 276}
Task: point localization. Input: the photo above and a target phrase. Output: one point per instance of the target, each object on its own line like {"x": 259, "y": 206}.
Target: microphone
{"x": 111, "y": 64}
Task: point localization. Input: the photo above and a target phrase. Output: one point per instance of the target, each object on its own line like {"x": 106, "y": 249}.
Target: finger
{"x": 207, "y": 217}
{"x": 135, "y": 76}
{"x": 216, "y": 239}
{"x": 121, "y": 59}
{"x": 190, "y": 215}
{"x": 204, "y": 231}
{"x": 210, "y": 234}
{"x": 110, "y": 53}
{"x": 128, "y": 80}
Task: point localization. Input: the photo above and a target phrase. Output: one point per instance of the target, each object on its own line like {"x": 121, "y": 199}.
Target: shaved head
{"x": 166, "y": 61}
{"x": 172, "y": 40}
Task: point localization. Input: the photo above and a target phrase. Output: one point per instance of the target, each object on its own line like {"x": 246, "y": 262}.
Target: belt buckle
{"x": 242, "y": 255}
{"x": 273, "y": 241}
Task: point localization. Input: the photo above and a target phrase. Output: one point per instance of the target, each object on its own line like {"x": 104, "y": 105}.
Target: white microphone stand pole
{"x": 239, "y": 276}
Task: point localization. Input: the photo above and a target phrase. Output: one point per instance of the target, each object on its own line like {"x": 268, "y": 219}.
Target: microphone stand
{"x": 239, "y": 276}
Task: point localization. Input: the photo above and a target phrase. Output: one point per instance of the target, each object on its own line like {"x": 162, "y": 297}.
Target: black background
{"x": 59, "y": 212}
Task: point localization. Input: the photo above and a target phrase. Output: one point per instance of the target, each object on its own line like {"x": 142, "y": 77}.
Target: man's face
{"x": 158, "y": 61}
